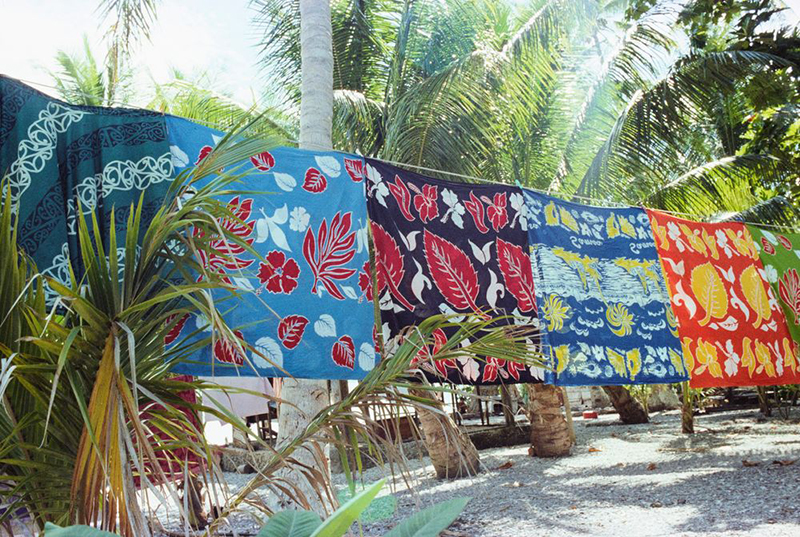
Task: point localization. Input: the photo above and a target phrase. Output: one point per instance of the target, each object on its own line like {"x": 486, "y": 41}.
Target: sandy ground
{"x": 629, "y": 480}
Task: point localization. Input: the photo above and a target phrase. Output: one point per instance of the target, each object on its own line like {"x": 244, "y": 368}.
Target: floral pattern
{"x": 431, "y": 259}
{"x": 732, "y": 330}
{"x": 301, "y": 305}
{"x": 602, "y": 294}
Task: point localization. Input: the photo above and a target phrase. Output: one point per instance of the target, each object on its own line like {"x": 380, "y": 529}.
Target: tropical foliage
{"x": 638, "y": 102}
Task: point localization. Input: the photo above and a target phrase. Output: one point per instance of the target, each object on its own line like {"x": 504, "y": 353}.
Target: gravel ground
{"x": 638, "y": 480}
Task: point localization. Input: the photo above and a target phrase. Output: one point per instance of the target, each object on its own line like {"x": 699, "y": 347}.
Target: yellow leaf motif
{"x": 789, "y": 355}
{"x": 627, "y": 228}
{"x": 671, "y": 320}
{"x": 619, "y": 317}
{"x": 568, "y": 220}
{"x": 661, "y": 234}
{"x": 677, "y": 361}
{"x": 694, "y": 239}
{"x": 764, "y": 358}
{"x": 686, "y": 343}
{"x": 743, "y": 243}
{"x": 617, "y": 360}
{"x": 706, "y": 354}
{"x": 550, "y": 216}
{"x": 634, "y": 360}
{"x": 709, "y": 290}
{"x": 756, "y": 294}
{"x": 748, "y": 358}
{"x": 611, "y": 227}
{"x": 562, "y": 358}
{"x": 584, "y": 265}
{"x": 555, "y": 311}
{"x": 711, "y": 242}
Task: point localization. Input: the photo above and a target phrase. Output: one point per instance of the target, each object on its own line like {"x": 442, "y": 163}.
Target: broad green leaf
{"x": 340, "y": 521}
{"x": 293, "y": 523}
{"x": 51, "y": 530}
{"x": 430, "y": 522}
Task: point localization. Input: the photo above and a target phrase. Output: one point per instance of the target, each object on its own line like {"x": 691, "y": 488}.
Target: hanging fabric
{"x": 450, "y": 248}
{"x": 780, "y": 255}
{"x": 603, "y": 303}
{"x": 732, "y": 330}
{"x": 303, "y": 307}
{"x": 58, "y": 157}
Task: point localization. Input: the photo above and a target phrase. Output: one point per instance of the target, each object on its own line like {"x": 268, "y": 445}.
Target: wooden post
{"x": 687, "y": 413}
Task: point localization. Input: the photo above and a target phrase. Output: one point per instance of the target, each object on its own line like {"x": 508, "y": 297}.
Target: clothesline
{"x": 594, "y": 201}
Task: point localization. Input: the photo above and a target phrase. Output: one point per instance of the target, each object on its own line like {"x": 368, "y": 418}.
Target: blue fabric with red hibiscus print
{"x": 603, "y": 301}
{"x": 305, "y": 311}
{"x": 445, "y": 247}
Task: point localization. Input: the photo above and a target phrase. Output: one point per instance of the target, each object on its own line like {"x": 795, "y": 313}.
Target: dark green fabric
{"x": 54, "y": 155}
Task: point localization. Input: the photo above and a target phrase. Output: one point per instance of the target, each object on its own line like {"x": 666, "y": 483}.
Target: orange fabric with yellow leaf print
{"x": 732, "y": 330}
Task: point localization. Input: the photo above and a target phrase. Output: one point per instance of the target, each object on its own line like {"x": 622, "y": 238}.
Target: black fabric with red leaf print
{"x": 453, "y": 248}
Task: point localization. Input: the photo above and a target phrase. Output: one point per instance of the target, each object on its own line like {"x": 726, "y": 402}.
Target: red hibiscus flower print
{"x": 222, "y": 255}
{"x": 767, "y": 246}
{"x": 204, "y": 152}
{"x": 425, "y": 203}
{"x": 291, "y": 329}
{"x": 496, "y": 366}
{"x": 263, "y": 161}
{"x": 279, "y": 274}
{"x": 365, "y": 281}
{"x": 228, "y": 352}
{"x": 428, "y": 353}
{"x": 475, "y": 208}
{"x": 497, "y": 213}
{"x": 343, "y": 352}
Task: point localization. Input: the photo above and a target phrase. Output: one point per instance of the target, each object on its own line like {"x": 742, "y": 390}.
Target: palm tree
{"x": 80, "y": 80}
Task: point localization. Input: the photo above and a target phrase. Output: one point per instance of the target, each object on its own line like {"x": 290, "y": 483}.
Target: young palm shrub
{"x": 76, "y": 379}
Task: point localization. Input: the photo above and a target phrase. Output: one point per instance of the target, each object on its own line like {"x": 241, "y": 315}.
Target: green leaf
{"x": 293, "y": 523}
{"x": 51, "y": 530}
{"x": 340, "y": 521}
{"x": 430, "y": 522}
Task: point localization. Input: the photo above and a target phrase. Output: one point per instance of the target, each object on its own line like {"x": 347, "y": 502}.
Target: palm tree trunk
{"x": 629, "y": 409}
{"x": 452, "y": 452}
{"x": 316, "y": 113}
{"x": 550, "y": 435}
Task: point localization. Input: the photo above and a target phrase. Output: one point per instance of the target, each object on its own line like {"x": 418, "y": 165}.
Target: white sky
{"x": 191, "y": 35}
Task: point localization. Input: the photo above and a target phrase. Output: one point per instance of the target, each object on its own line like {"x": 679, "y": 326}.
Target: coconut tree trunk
{"x": 629, "y": 409}
{"x": 452, "y": 452}
{"x": 308, "y": 397}
{"x": 687, "y": 411}
{"x": 549, "y": 431}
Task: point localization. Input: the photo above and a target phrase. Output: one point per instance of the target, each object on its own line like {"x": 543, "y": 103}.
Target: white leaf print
{"x": 201, "y": 321}
{"x": 410, "y": 240}
{"x": 325, "y": 326}
{"x": 179, "y": 158}
{"x": 269, "y": 348}
{"x": 736, "y": 302}
{"x": 728, "y": 275}
{"x": 494, "y": 291}
{"x": 281, "y": 215}
{"x": 677, "y": 268}
{"x": 243, "y": 283}
{"x": 217, "y": 139}
{"x": 262, "y": 230}
{"x": 730, "y": 324}
{"x": 329, "y": 165}
{"x": 770, "y": 237}
{"x": 419, "y": 283}
{"x": 681, "y": 298}
{"x": 285, "y": 181}
{"x": 451, "y": 313}
{"x": 278, "y": 236}
{"x": 349, "y": 292}
{"x": 481, "y": 254}
{"x": 366, "y": 357}
{"x": 362, "y": 236}
{"x": 458, "y": 220}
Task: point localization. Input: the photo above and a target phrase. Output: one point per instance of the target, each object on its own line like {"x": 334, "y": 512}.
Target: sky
{"x": 193, "y": 36}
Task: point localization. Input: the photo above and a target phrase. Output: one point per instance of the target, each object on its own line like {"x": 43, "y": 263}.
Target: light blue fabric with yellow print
{"x": 602, "y": 300}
